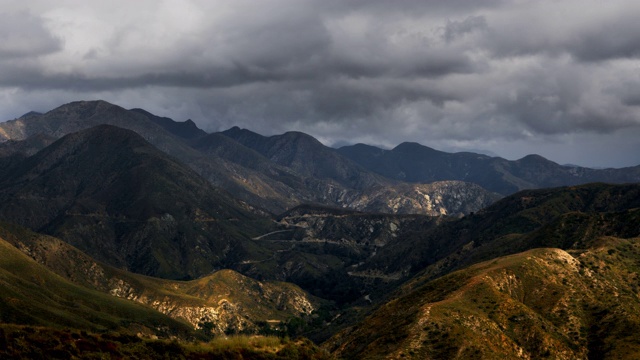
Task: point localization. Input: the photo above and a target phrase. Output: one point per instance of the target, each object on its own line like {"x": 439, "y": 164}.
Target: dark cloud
{"x": 614, "y": 39}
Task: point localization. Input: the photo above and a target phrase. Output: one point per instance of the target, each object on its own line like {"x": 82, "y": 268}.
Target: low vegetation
{"x": 46, "y": 343}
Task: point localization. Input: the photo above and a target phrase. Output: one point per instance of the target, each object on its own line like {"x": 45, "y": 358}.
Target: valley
{"x": 122, "y": 221}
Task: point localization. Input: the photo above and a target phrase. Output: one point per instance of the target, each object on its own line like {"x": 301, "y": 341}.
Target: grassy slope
{"x": 37, "y": 342}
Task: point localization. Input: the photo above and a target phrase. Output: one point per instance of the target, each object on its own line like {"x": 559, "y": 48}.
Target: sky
{"x": 551, "y": 77}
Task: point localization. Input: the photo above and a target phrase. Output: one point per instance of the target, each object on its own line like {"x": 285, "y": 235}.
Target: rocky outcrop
{"x": 434, "y": 199}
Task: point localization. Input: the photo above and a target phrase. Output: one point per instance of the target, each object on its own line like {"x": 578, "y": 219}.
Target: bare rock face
{"x": 434, "y": 199}
{"x": 230, "y": 302}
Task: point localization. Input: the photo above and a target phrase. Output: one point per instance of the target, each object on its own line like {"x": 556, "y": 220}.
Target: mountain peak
{"x": 187, "y": 130}
{"x": 88, "y": 104}
{"x": 534, "y": 159}
{"x": 299, "y": 136}
{"x": 85, "y": 109}
{"x": 413, "y": 147}
{"x": 237, "y": 131}
{"x": 30, "y": 114}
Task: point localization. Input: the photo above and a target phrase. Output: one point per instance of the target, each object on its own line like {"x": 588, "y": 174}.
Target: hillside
{"x": 228, "y": 301}
{"x": 543, "y": 303}
{"x": 559, "y": 279}
{"x": 346, "y": 255}
{"x": 320, "y": 249}
{"x": 33, "y": 295}
{"x": 514, "y": 223}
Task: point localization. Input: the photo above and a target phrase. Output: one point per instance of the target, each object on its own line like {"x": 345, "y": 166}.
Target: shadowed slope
{"x": 111, "y": 194}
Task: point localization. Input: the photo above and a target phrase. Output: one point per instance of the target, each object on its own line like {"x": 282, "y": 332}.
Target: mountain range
{"x": 413, "y": 162}
{"x": 121, "y": 220}
{"x": 279, "y": 172}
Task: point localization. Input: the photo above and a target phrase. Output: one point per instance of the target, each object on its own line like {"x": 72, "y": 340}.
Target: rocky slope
{"x": 434, "y": 199}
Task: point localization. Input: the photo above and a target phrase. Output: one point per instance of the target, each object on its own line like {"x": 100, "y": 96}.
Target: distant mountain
{"x": 308, "y": 157}
{"x": 110, "y": 193}
{"x": 171, "y": 137}
{"x": 413, "y": 162}
{"x": 272, "y": 186}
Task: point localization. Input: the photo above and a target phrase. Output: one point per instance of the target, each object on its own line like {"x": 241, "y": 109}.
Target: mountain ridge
{"x": 293, "y": 168}
{"x": 413, "y": 162}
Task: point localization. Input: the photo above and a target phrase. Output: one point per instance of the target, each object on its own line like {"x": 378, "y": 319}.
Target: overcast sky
{"x": 556, "y": 78}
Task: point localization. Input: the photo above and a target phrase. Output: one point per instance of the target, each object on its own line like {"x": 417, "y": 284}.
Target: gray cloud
{"x": 456, "y": 29}
{"x": 24, "y": 35}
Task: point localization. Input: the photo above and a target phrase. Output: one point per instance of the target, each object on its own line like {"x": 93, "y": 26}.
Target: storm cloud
{"x": 559, "y": 78}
